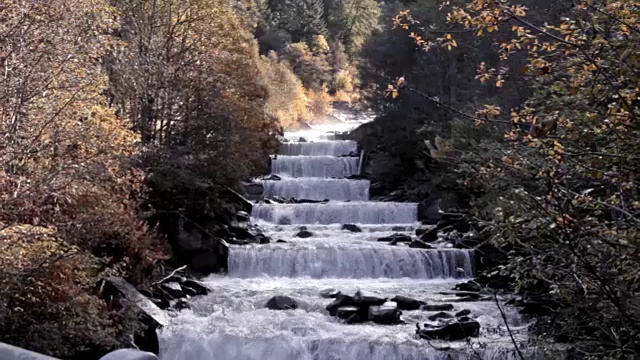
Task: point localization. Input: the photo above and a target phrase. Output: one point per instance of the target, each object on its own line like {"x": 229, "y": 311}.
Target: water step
{"x": 330, "y": 148}
{"x": 318, "y": 189}
{"x": 337, "y": 213}
{"x": 315, "y": 166}
{"x": 351, "y": 262}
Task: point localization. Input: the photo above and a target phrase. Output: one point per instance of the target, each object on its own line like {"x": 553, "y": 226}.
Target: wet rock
{"x": 399, "y": 228}
{"x": 280, "y": 241}
{"x": 329, "y": 293}
{"x": 128, "y": 354}
{"x": 351, "y": 227}
{"x": 345, "y": 312}
{"x": 367, "y": 300}
{"x": 387, "y": 314}
{"x": 437, "y": 307}
{"x": 470, "y": 286}
{"x": 284, "y": 221}
{"x": 272, "y": 178}
{"x": 309, "y": 201}
{"x": 188, "y": 292}
{"x": 242, "y": 216}
{"x": 428, "y": 235}
{"x": 304, "y": 234}
{"x": 396, "y": 238}
{"x": 173, "y": 288}
{"x": 281, "y": 303}
{"x": 302, "y": 140}
{"x": 407, "y": 303}
{"x": 464, "y": 312}
{"x": 464, "y": 318}
{"x": 419, "y": 244}
{"x": 440, "y": 315}
{"x": 354, "y": 319}
{"x": 181, "y": 305}
{"x": 340, "y": 301}
{"x": 454, "y": 331}
{"x": 199, "y": 288}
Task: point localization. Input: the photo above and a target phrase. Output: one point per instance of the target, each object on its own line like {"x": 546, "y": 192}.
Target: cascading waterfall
{"x": 231, "y": 323}
{"x": 317, "y": 189}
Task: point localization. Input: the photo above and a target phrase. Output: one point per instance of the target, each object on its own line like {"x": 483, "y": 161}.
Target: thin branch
{"x": 506, "y": 323}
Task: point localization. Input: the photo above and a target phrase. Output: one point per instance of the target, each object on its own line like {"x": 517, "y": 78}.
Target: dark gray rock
{"x": 396, "y": 237}
{"x": 464, "y": 312}
{"x": 351, "y": 227}
{"x": 429, "y": 235}
{"x": 345, "y": 312}
{"x": 340, "y": 301}
{"x": 181, "y": 305}
{"x": 419, "y": 244}
{"x": 384, "y": 314}
{"x": 304, "y": 234}
{"x": 407, "y": 303}
{"x": 354, "y": 319}
{"x": 453, "y": 331}
{"x": 280, "y": 241}
{"x": 470, "y": 286}
{"x": 281, "y": 303}
{"x": 437, "y": 307}
{"x": 198, "y": 287}
{"x": 440, "y": 315}
{"x": 367, "y": 300}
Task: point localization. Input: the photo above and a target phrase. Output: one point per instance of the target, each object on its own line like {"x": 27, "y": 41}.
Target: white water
{"x": 318, "y": 189}
{"x": 232, "y": 324}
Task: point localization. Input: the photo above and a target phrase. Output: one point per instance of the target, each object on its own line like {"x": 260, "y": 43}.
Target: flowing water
{"x": 232, "y": 324}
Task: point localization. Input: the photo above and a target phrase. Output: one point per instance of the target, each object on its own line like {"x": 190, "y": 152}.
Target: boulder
{"x": 198, "y": 287}
{"x": 181, "y": 305}
{"x": 345, "y": 312}
{"x": 387, "y": 314}
{"x": 329, "y": 293}
{"x": 281, "y": 303}
{"x": 340, "y": 301}
{"x": 198, "y": 249}
{"x": 280, "y": 241}
{"x": 304, "y": 234}
{"x": 351, "y": 227}
{"x": 469, "y": 286}
{"x": 407, "y": 303}
{"x": 454, "y": 331}
{"x": 367, "y": 300}
{"x": 430, "y": 235}
{"x": 440, "y": 315}
{"x": 419, "y": 244}
{"x": 354, "y": 319}
{"x": 272, "y": 177}
{"x": 437, "y": 307}
{"x": 10, "y": 352}
{"x": 174, "y": 289}
{"x": 396, "y": 237}
{"x": 464, "y": 312}
{"x": 129, "y": 354}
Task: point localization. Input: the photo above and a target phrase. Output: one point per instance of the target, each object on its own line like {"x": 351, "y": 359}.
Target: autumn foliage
{"x": 562, "y": 184}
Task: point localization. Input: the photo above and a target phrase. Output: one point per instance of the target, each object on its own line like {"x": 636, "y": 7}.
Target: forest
{"x": 521, "y": 113}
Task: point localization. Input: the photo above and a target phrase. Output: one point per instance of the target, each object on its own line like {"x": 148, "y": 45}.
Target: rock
{"x": 351, "y": 227}
{"x": 396, "y": 237}
{"x": 10, "y": 352}
{"x": 464, "y": 318}
{"x": 453, "y": 331}
{"x": 280, "y": 241}
{"x": 419, "y": 244}
{"x": 367, "y": 300}
{"x": 399, "y": 228}
{"x": 329, "y": 293}
{"x": 253, "y": 190}
{"x": 429, "y": 235}
{"x": 407, "y": 303}
{"x": 340, "y": 301}
{"x": 272, "y": 178}
{"x": 173, "y": 288}
{"x": 181, "y": 305}
{"x": 242, "y": 216}
{"x": 387, "y": 314}
{"x": 440, "y": 315}
{"x": 198, "y": 249}
{"x": 464, "y": 312}
{"x": 470, "y": 286}
{"x": 345, "y": 312}
{"x": 198, "y": 287}
{"x": 309, "y": 201}
{"x": 304, "y": 234}
{"x": 127, "y": 354}
{"x": 281, "y": 303}
{"x": 354, "y": 319}
{"x": 438, "y": 307}
{"x": 302, "y": 140}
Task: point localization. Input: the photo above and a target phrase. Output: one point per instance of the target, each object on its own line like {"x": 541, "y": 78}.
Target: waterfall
{"x": 312, "y": 250}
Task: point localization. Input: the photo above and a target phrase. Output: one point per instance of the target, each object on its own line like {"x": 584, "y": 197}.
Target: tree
{"x": 565, "y": 177}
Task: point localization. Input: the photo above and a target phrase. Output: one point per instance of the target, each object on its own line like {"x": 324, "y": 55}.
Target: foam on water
{"x": 315, "y": 166}
{"x": 337, "y": 213}
{"x": 318, "y": 189}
